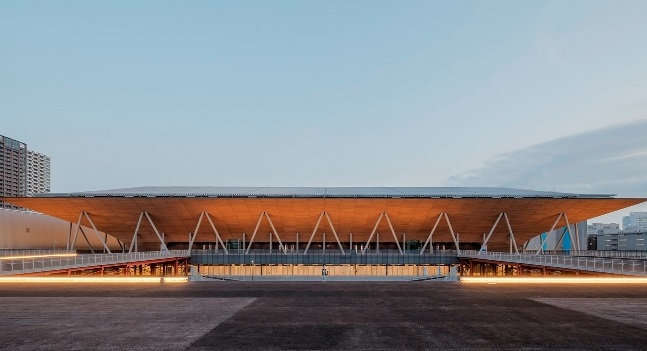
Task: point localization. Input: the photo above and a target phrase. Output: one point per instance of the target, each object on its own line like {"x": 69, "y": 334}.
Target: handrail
{"x": 10, "y": 266}
{"x": 594, "y": 264}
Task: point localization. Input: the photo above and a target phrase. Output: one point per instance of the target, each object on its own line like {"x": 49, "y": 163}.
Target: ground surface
{"x": 318, "y": 315}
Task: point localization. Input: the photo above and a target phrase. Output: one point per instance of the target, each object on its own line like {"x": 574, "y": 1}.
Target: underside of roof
{"x": 412, "y": 212}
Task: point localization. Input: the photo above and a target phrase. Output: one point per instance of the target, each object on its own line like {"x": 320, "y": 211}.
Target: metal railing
{"x": 604, "y": 253}
{"x": 8, "y": 253}
{"x": 10, "y": 266}
{"x": 637, "y": 267}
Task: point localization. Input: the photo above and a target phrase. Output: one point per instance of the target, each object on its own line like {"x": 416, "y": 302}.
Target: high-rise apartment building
{"x": 38, "y": 173}
{"x": 22, "y": 172}
{"x": 13, "y": 167}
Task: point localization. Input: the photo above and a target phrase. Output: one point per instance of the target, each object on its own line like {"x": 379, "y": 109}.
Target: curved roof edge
{"x": 327, "y": 192}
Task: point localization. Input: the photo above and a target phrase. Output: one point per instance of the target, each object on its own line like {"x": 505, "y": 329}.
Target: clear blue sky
{"x": 301, "y": 93}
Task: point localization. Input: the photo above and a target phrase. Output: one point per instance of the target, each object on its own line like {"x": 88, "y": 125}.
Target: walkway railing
{"x": 624, "y": 266}
{"x": 21, "y": 265}
{"x": 8, "y": 253}
{"x": 603, "y": 253}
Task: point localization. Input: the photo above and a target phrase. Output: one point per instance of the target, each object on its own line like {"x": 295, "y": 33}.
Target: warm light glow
{"x": 36, "y": 256}
{"x": 86, "y": 279}
{"x": 555, "y": 280}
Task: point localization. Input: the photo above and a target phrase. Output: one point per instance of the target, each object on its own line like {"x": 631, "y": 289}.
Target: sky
{"x": 529, "y": 94}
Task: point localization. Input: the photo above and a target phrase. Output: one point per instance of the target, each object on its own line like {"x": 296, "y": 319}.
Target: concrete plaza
{"x": 322, "y": 315}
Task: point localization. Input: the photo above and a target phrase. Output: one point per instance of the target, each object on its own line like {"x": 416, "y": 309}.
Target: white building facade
{"x": 38, "y": 173}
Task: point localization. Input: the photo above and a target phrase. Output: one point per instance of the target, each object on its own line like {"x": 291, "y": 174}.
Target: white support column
{"x": 278, "y": 238}
{"x": 297, "y": 244}
{"x": 350, "y": 241}
{"x": 487, "y": 238}
{"x": 377, "y": 241}
{"x": 334, "y": 232}
{"x": 97, "y": 232}
{"x": 313, "y": 233}
{"x": 69, "y": 237}
{"x": 195, "y": 232}
{"x": 428, "y": 241}
{"x": 251, "y": 240}
{"x": 404, "y": 241}
{"x": 577, "y": 236}
{"x": 395, "y": 237}
{"x": 156, "y": 231}
{"x": 76, "y": 233}
{"x": 542, "y": 242}
{"x": 218, "y": 238}
{"x": 454, "y": 236}
{"x": 513, "y": 241}
{"x": 132, "y": 242}
{"x": 373, "y": 232}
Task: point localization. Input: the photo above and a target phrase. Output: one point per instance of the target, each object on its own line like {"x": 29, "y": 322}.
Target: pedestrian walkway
{"x": 41, "y": 262}
{"x": 578, "y": 261}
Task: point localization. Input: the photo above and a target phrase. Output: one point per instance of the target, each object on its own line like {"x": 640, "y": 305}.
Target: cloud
{"x": 611, "y": 160}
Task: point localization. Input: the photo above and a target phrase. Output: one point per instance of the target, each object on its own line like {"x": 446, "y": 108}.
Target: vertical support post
{"x": 512, "y": 239}
{"x": 297, "y": 243}
{"x": 404, "y": 241}
{"x": 350, "y": 241}
{"x": 134, "y": 241}
{"x": 270, "y": 242}
{"x": 69, "y": 236}
{"x": 324, "y": 242}
{"x": 377, "y": 242}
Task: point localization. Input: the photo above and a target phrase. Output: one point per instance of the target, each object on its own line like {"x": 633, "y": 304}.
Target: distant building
{"x": 38, "y": 173}
{"x": 22, "y": 172}
{"x": 624, "y": 241}
{"x": 603, "y": 228}
{"x": 635, "y": 220}
{"x": 13, "y": 167}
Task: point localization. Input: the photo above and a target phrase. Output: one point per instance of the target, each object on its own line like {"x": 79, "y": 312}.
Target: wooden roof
{"x": 178, "y": 216}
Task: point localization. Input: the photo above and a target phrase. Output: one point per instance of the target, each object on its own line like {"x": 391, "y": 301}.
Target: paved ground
{"x": 317, "y": 315}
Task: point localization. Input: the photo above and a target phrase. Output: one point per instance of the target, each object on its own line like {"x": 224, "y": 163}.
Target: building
{"x": 603, "y": 228}
{"x": 635, "y": 220}
{"x": 623, "y": 241}
{"x": 500, "y": 219}
{"x": 305, "y": 230}
{"x": 38, "y": 173}
{"x": 13, "y": 168}
{"x": 23, "y": 172}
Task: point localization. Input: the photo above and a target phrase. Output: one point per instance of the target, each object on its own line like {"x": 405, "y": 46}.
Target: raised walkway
{"x": 634, "y": 264}
{"x": 27, "y": 262}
